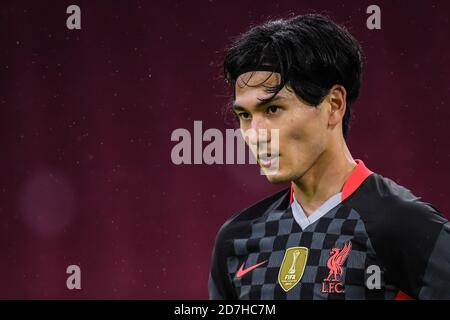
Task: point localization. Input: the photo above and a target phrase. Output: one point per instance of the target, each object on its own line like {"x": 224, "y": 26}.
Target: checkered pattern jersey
{"x": 409, "y": 240}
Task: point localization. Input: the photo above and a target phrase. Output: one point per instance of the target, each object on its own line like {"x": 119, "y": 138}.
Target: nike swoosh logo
{"x": 242, "y": 272}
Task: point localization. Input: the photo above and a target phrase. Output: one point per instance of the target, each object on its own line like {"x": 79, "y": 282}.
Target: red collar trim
{"x": 359, "y": 174}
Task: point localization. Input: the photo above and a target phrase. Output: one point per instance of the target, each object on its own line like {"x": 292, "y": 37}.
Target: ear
{"x": 337, "y": 101}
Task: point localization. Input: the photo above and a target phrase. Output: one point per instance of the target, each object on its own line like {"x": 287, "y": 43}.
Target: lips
{"x": 267, "y": 160}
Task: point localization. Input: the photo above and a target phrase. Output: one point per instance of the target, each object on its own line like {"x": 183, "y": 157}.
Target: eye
{"x": 243, "y": 115}
{"x": 273, "y": 109}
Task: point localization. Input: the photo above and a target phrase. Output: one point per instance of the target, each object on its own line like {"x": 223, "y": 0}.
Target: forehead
{"x": 251, "y": 87}
{"x": 256, "y": 81}
{"x": 257, "y": 78}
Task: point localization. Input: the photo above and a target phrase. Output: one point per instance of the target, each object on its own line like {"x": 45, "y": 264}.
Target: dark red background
{"x": 86, "y": 118}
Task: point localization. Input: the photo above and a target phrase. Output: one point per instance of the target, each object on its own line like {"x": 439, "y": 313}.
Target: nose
{"x": 259, "y": 133}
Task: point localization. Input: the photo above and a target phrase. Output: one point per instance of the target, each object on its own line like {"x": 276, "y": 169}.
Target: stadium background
{"x": 86, "y": 118}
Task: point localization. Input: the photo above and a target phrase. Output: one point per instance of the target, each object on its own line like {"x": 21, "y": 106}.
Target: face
{"x": 304, "y": 131}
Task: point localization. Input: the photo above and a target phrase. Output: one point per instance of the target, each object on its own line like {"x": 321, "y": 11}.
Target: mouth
{"x": 267, "y": 160}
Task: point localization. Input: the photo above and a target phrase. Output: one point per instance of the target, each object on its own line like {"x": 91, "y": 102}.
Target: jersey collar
{"x": 359, "y": 174}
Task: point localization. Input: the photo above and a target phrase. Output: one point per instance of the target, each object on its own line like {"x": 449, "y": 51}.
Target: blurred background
{"x": 86, "y": 118}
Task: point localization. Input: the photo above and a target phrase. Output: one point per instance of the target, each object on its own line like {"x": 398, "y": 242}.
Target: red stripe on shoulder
{"x": 402, "y": 296}
{"x": 359, "y": 174}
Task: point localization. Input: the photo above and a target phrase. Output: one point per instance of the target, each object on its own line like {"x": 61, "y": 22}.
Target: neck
{"x": 325, "y": 178}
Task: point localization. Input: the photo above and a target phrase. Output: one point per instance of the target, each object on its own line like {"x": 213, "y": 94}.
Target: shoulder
{"x": 241, "y": 221}
{"x": 393, "y": 204}
{"x": 404, "y": 230}
{"x": 396, "y": 220}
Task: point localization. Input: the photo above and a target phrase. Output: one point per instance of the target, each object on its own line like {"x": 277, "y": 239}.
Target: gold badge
{"x": 292, "y": 267}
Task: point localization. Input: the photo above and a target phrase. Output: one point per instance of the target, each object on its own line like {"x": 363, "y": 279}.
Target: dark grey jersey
{"x": 378, "y": 242}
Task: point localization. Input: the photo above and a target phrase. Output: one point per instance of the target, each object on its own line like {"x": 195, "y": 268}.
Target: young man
{"x": 340, "y": 231}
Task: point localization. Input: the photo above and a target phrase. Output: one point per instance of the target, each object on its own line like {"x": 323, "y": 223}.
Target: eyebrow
{"x": 260, "y": 103}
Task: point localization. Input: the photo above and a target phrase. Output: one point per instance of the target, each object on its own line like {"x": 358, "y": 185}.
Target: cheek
{"x": 302, "y": 126}
{"x": 243, "y": 128}
{"x": 304, "y": 132}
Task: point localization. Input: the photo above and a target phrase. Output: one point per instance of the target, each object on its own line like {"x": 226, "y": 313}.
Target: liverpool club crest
{"x": 333, "y": 282}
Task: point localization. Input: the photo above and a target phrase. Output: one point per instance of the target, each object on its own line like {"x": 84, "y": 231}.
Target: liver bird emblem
{"x": 336, "y": 260}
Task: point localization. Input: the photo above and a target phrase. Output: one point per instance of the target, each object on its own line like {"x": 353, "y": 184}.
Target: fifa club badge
{"x": 333, "y": 283}
{"x": 292, "y": 267}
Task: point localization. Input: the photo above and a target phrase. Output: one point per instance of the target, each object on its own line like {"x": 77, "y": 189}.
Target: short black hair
{"x": 311, "y": 53}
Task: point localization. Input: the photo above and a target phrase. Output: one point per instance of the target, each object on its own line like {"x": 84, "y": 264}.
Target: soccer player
{"x": 340, "y": 231}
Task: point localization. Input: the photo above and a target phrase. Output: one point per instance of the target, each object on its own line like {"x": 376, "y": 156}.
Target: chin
{"x": 278, "y": 177}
